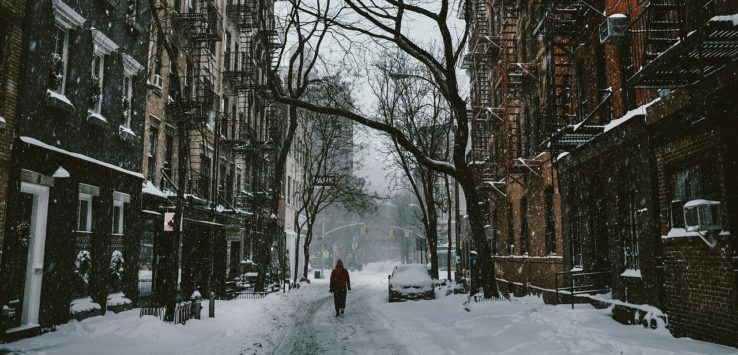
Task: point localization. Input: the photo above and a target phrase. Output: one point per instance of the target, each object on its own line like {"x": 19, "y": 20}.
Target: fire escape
{"x": 477, "y": 62}
{"x": 198, "y": 30}
{"x": 677, "y": 43}
{"x": 239, "y": 77}
{"x": 508, "y": 81}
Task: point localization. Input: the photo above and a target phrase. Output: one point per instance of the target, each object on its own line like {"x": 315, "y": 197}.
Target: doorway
{"x": 31, "y": 239}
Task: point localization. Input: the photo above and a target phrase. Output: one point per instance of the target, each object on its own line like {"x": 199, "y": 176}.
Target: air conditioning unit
{"x": 702, "y": 215}
{"x": 614, "y": 28}
{"x": 158, "y": 81}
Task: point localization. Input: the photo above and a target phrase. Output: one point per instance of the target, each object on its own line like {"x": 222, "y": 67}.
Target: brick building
{"x": 221, "y": 123}
{"x": 619, "y": 122}
{"x": 75, "y": 165}
{"x": 11, "y": 42}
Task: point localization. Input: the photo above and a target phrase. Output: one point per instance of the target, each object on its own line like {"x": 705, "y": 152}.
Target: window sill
{"x": 58, "y": 102}
{"x": 127, "y": 135}
{"x": 97, "y": 120}
{"x": 631, "y": 273}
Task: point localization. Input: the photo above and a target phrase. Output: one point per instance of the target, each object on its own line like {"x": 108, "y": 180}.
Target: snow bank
{"x": 118, "y": 299}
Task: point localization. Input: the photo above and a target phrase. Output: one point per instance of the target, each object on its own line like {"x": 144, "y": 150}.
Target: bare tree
{"x": 414, "y": 104}
{"x": 384, "y": 24}
{"x": 327, "y": 150}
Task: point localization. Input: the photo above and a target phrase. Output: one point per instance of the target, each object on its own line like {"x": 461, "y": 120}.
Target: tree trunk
{"x": 306, "y": 249}
{"x": 485, "y": 262}
{"x": 432, "y": 223}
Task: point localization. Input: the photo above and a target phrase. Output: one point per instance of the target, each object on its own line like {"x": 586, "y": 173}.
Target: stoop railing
{"x": 582, "y": 282}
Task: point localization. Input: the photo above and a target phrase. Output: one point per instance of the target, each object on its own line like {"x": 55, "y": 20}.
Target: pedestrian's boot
{"x": 337, "y": 312}
{"x": 342, "y": 311}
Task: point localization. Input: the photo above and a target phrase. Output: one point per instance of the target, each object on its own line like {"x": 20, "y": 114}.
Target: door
{"x": 34, "y": 203}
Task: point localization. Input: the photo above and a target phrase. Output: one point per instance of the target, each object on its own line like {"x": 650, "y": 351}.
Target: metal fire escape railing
{"x": 196, "y": 31}
{"x": 560, "y": 39}
{"x": 508, "y": 82}
{"x": 675, "y": 43}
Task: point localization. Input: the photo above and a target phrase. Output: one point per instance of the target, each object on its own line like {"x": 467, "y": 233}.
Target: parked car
{"x": 410, "y": 281}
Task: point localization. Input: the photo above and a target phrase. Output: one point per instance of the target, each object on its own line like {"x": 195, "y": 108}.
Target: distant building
{"x": 72, "y": 239}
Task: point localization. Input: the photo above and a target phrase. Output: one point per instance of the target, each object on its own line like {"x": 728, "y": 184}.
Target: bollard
{"x": 211, "y": 306}
{"x": 196, "y": 304}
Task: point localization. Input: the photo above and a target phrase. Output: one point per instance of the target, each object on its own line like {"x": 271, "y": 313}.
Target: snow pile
{"x": 149, "y": 189}
{"x": 636, "y": 112}
{"x": 118, "y": 299}
{"x": 246, "y": 326}
{"x": 83, "y": 305}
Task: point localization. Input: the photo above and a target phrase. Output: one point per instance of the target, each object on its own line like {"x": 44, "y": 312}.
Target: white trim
{"x": 89, "y": 190}
{"x": 103, "y": 44}
{"x": 130, "y": 66}
{"x": 122, "y": 197}
{"x": 66, "y": 16}
{"x": 35, "y": 259}
{"x": 38, "y": 143}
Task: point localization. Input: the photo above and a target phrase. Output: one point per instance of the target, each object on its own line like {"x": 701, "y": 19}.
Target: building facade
{"x": 607, "y": 153}
{"x": 11, "y": 43}
{"x": 75, "y": 168}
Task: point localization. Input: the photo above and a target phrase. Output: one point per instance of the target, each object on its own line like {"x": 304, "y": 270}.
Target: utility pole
{"x": 213, "y": 202}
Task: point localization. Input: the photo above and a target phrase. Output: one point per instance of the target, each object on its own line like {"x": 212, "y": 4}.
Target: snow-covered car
{"x": 410, "y": 281}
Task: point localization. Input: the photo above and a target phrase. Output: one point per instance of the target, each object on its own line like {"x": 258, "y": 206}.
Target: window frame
{"x": 119, "y": 229}
{"x": 88, "y": 224}
{"x": 58, "y": 26}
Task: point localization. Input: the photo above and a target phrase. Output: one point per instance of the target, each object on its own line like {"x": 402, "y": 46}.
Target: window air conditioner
{"x": 158, "y": 81}
{"x": 702, "y": 215}
{"x": 614, "y": 28}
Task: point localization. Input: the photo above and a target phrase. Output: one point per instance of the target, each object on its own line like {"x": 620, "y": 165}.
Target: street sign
{"x": 169, "y": 221}
{"x": 325, "y": 180}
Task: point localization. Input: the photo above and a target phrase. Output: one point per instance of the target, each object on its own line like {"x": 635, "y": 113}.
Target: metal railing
{"x": 182, "y": 312}
{"x": 581, "y": 282}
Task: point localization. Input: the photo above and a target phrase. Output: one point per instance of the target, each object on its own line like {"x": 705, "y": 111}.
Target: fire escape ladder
{"x": 664, "y": 18}
{"x": 561, "y": 41}
{"x": 510, "y": 82}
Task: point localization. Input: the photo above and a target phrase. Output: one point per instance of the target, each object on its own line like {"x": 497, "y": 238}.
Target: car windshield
{"x": 410, "y": 273}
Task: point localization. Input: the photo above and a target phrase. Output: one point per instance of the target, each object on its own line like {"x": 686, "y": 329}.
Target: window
{"x": 227, "y": 50}
{"x": 550, "y": 225}
{"x": 524, "y": 226}
{"x": 168, "y": 153}
{"x": 130, "y": 69}
{"x": 153, "y": 147}
{"x": 60, "y": 59}
{"x": 96, "y": 97}
{"x": 127, "y": 100}
{"x": 66, "y": 19}
{"x": 629, "y": 209}
{"x": 84, "y": 213}
{"x": 510, "y": 231}
{"x": 118, "y": 208}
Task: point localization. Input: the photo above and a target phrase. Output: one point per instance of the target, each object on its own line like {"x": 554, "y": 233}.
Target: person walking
{"x": 340, "y": 284}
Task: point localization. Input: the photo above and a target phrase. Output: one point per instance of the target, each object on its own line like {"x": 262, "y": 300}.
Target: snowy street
{"x": 303, "y": 322}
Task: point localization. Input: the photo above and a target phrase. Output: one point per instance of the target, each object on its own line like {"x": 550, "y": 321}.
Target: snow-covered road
{"x": 356, "y": 332}
{"x": 303, "y": 322}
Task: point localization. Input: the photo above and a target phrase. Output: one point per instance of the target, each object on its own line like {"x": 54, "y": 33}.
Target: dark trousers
{"x": 339, "y": 299}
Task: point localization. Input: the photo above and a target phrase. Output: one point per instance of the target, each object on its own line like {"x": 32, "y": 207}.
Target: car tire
{"x": 389, "y": 297}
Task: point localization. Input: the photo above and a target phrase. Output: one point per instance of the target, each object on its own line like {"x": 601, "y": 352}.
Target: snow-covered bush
{"x": 82, "y": 269}
{"x": 116, "y": 270}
